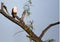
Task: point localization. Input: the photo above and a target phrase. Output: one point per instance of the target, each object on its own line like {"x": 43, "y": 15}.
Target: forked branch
{"x": 22, "y": 25}
{"x": 48, "y": 27}
{"x": 25, "y": 27}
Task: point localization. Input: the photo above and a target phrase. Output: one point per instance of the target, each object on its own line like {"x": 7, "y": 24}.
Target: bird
{"x": 14, "y": 11}
{"x": 4, "y": 7}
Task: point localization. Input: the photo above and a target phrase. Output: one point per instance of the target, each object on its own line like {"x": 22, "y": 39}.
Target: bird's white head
{"x": 15, "y": 9}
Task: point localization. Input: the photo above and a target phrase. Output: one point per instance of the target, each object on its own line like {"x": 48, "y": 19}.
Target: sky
{"x": 59, "y": 20}
{"x": 43, "y": 13}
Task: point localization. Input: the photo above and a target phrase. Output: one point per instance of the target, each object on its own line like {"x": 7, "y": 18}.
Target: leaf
{"x": 28, "y": 13}
{"x": 31, "y": 24}
{"x": 30, "y": 2}
{"x": 51, "y": 40}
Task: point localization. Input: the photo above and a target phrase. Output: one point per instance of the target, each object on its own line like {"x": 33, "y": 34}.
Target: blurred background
{"x": 43, "y": 13}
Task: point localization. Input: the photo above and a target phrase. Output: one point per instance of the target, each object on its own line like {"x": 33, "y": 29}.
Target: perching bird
{"x": 4, "y": 7}
{"x": 14, "y": 11}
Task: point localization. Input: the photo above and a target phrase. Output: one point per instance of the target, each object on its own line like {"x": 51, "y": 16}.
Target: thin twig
{"x": 48, "y": 27}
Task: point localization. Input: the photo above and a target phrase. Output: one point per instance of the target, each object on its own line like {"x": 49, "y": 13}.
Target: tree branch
{"x": 25, "y": 27}
{"x": 48, "y": 27}
{"x": 22, "y": 25}
{"x": 0, "y": 11}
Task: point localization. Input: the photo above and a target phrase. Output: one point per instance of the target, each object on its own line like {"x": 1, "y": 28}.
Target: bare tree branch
{"x": 48, "y": 27}
{"x": 18, "y": 32}
{"x": 22, "y": 25}
{"x": 0, "y": 11}
{"x": 25, "y": 27}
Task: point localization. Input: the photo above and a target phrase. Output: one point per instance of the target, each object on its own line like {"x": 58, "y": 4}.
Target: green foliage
{"x": 27, "y": 7}
{"x": 28, "y": 12}
{"x": 30, "y": 2}
{"x": 51, "y": 40}
{"x": 31, "y": 24}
